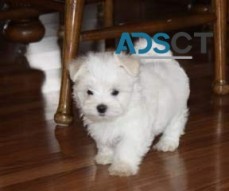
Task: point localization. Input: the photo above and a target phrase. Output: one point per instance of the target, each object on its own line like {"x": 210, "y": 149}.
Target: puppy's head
{"x": 103, "y": 84}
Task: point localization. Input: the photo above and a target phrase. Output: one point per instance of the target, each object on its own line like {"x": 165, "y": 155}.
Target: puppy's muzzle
{"x": 101, "y": 109}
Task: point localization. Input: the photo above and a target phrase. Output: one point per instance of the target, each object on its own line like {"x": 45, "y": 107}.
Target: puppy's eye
{"x": 115, "y": 92}
{"x": 89, "y": 92}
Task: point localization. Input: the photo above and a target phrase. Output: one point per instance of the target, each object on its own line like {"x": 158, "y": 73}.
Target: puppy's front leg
{"x": 104, "y": 155}
{"x": 127, "y": 157}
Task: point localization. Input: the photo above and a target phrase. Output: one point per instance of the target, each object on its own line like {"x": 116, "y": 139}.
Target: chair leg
{"x": 109, "y": 21}
{"x": 220, "y": 85}
{"x": 73, "y": 19}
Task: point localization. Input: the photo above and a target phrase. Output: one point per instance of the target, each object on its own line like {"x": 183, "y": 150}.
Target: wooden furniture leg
{"x": 220, "y": 29}
{"x": 108, "y": 13}
{"x": 73, "y": 20}
{"x": 109, "y": 22}
{"x": 23, "y": 24}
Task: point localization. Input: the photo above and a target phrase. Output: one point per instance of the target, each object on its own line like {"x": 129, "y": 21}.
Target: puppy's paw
{"x": 103, "y": 159}
{"x": 166, "y": 145}
{"x": 122, "y": 169}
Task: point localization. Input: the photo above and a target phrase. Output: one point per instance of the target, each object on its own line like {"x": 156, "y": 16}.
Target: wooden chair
{"x": 73, "y": 35}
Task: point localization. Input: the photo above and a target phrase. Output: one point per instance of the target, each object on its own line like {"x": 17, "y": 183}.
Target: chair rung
{"x": 56, "y": 5}
{"x": 20, "y": 13}
{"x": 173, "y": 23}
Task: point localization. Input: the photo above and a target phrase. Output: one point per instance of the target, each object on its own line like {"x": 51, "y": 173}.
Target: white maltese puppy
{"x": 125, "y": 102}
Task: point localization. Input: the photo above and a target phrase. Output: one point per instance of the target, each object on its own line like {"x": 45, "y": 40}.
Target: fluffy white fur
{"x": 152, "y": 99}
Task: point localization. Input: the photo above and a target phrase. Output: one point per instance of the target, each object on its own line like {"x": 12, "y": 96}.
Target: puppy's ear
{"x": 130, "y": 64}
{"x": 76, "y": 68}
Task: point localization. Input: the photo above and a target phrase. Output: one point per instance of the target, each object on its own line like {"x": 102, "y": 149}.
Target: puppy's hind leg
{"x": 171, "y": 136}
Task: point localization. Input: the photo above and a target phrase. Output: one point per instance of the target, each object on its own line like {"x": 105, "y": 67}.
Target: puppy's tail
{"x": 151, "y": 54}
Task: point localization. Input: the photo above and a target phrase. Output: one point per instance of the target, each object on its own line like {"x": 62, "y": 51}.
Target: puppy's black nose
{"x": 101, "y": 108}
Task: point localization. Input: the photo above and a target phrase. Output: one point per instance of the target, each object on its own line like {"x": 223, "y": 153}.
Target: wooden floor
{"x": 37, "y": 155}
